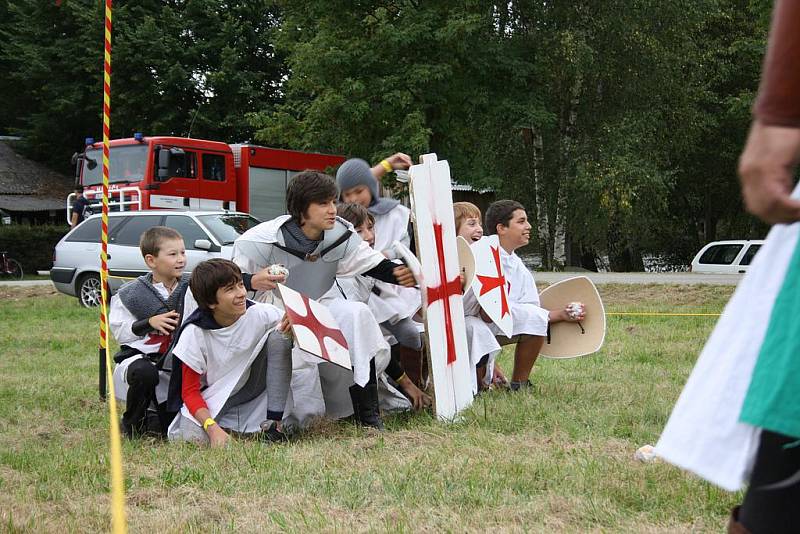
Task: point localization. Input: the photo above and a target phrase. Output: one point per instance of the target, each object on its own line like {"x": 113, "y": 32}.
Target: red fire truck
{"x": 192, "y": 174}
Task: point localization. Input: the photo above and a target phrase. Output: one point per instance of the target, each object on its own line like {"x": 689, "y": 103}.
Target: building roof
{"x": 26, "y": 185}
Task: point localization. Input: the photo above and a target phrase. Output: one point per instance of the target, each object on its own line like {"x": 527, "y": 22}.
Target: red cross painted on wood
{"x": 491, "y": 282}
{"x": 162, "y": 340}
{"x": 319, "y": 330}
{"x": 444, "y": 291}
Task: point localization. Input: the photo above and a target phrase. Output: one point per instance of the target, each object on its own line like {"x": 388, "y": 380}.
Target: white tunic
{"x": 704, "y": 434}
{"x": 389, "y": 305}
{"x": 223, "y": 357}
{"x": 319, "y": 387}
{"x": 523, "y": 299}
{"x": 390, "y": 227}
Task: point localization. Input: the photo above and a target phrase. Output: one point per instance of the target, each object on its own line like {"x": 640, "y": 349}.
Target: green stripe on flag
{"x": 773, "y": 398}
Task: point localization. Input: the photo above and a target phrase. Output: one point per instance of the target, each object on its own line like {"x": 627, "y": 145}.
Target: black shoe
{"x": 125, "y": 430}
{"x": 270, "y": 433}
{"x": 365, "y": 405}
{"x": 520, "y": 386}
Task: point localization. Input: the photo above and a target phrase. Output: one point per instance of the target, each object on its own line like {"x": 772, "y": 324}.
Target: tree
{"x": 177, "y": 67}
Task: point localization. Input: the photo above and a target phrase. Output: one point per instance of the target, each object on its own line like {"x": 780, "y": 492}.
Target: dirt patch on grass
{"x": 17, "y": 293}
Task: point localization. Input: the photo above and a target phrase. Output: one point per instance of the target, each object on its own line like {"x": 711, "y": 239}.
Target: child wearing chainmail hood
{"x": 144, "y": 314}
{"x": 358, "y": 183}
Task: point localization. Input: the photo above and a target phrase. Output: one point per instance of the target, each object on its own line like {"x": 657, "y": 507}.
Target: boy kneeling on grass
{"x": 235, "y": 374}
{"x": 508, "y": 219}
{"x": 144, "y": 314}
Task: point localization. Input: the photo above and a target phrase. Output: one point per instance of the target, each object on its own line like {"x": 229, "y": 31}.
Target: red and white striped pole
{"x": 118, "y": 519}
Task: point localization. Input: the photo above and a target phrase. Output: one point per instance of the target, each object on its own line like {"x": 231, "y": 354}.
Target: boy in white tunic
{"x": 231, "y": 379}
{"x": 508, "y": 219}
{"x": 483, "y": 347}
{"x": 316, "y": 246}
{"x": 390, "y": 310}
{"x": 144, "y": 314}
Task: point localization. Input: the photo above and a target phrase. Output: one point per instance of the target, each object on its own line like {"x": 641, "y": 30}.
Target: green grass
{"x": 557, "y": 459}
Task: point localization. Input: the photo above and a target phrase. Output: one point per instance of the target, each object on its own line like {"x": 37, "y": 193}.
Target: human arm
{"x": 389, "y": 271}
{"x": 770, "y": 156}
{"x": 255, "y": 273}
{"x": 193, "y": 368}
{"x": 262, "y": 280}
{"x": 563, "y": 315}
{"x": 122, "y": 322}
{"x": 393, "y": 162}
{"x": 74, "y": 218}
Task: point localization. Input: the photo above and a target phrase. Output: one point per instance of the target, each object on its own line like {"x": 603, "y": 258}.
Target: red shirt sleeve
{"x": 778, "y": 102}
{"x": 190, "y": 390}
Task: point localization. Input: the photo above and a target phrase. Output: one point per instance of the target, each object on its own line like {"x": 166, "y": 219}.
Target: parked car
{"x": 76, "y": 259}
{"x": 725, "y": 257}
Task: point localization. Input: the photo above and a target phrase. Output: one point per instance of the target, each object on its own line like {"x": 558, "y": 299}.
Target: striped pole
{"x": 118, "y": 520}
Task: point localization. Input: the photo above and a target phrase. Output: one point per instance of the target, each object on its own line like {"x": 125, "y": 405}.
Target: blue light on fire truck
{"x": 89, "y": 141}
{"x": 138, "y": 136}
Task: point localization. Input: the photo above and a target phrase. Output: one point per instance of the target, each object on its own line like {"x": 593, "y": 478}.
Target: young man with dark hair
{"x": 316, "y": 246}
{"x": 235, "y": 373}
{"x": 144, "y": 314}
{"x": 508, "y": 219}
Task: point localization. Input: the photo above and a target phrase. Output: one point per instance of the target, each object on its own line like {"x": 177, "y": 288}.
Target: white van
{"x": 726, "y": 257}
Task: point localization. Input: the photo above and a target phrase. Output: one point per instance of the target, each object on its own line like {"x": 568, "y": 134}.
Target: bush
{"x": 32, "y": 246}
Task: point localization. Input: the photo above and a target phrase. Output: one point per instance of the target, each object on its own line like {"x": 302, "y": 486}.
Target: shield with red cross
{"x": 489, "y": 285}
{"x": 314, "y": 328}
{"x": 432, "y": 203}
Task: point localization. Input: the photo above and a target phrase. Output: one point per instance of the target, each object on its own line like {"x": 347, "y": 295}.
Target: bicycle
{"x": 10, "y": 269}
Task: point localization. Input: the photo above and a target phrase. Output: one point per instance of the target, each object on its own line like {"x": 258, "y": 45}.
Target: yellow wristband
{"x": 208, "y": 422}
{"x": 386, "y": 165}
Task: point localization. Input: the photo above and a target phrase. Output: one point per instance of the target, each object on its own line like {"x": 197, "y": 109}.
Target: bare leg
{"x": 525, "y": 354}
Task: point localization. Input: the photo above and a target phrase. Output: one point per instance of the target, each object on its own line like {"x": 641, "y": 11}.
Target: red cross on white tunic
{"x": 162, "y": 340}
{"x": 316, "y": 327}
{"x": 490, "y": 282}
{"x": 444, "y": 291}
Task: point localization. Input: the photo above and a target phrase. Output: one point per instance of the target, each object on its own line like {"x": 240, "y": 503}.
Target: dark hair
{"x": 211, "y": 275}
{"x": 150, "y": 242}
{"x": 500, "y": 212}
{"x": 355, "y": 214}
{"x": 306, "y": 188}
{"x": 79, "y": 189}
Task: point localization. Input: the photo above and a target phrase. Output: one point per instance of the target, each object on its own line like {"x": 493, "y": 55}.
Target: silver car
{"x": 76, "y": 260}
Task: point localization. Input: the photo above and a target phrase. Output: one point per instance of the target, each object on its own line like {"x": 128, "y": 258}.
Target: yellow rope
{"x": 659, "y": 314}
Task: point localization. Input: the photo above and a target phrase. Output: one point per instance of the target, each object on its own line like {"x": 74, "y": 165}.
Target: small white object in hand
{"x": 276, "y": 269}
{"x": 575, "y": 309}
{"x": 646, "y": 454}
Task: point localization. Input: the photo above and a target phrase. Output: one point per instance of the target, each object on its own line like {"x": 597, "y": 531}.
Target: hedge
{"x": 32, "y": 246}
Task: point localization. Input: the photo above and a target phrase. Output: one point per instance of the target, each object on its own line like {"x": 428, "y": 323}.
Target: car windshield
{"x": 226, "y": 228}
{"x": 126, "y": 164}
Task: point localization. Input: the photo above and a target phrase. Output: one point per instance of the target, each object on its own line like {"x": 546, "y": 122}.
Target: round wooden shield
{"x": 571, "y": 340}
{"x": 466, "y": 261}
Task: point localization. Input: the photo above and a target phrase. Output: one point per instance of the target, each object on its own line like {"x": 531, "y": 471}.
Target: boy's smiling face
{"x": 359, "y": 194}
{"x": 518, "y": 232}
{"x": 170, "y": 261}
{"x": 471, "y": 229}
{"x": 231, "y": 303}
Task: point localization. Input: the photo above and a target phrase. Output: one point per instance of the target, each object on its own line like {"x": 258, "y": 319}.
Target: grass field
{"x": 558, "y": 459}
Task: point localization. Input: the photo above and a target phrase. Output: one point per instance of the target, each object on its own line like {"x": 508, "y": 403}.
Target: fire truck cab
{"x": 192, "y": 174}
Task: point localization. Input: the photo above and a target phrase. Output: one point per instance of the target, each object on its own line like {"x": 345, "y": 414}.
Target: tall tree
{"x": 178, "y": 67}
